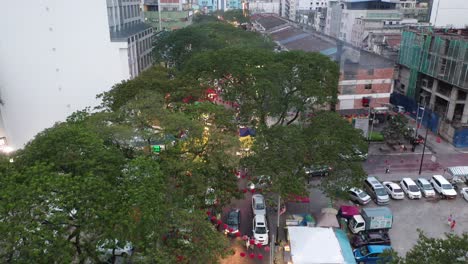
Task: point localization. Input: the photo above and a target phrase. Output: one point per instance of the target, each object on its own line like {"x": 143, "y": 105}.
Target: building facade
{"x": 57, "y": 64}
{"x": 433, "y": 71}
{"x": 272, "y": 7}
{"x": 175, "y": 14}
{"x": 449, "y": 13}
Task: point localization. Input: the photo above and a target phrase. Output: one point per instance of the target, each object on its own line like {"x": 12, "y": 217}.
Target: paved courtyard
{"x": 427, "y": 215}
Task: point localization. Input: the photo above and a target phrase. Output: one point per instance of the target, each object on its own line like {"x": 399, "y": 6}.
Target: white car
{"x": 107, "y": 249}
{"x": 258, "y": 204}
{"x": 425, "y": 187}
{"x": 394, "y": 190}
{"x": 464, "y": 193}
{"x": 443, "y": 187}
{"x": 410, "y": 188}
{"x": 260, "y": 230}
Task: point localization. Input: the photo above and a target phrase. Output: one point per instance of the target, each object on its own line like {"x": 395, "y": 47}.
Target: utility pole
{"x": 278, "y": 219}
{"x": 159, "y": 14}
{"x": 424, "y": 147}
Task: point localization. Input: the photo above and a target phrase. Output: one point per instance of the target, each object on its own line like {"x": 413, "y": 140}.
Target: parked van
{"x": 376, "y": 190}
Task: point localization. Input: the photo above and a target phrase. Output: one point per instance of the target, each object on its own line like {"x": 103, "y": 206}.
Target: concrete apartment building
{"x": 65, "y": 53}
{"x": 175, "y": 14}
{"x": 433, "y": 71}
{"x": 266, "y": 6}
{"x": 366, "y": 79}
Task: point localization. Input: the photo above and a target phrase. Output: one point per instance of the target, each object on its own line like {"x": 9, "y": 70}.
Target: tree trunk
{"x": 294, "y": 118}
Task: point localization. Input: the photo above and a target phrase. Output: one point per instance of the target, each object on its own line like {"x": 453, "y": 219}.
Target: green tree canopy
{"x": 176, "y": 47}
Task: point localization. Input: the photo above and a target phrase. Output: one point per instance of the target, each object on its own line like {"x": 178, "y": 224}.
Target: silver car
{"x": 359, "y": 196}
{"x": 426, "y": 188}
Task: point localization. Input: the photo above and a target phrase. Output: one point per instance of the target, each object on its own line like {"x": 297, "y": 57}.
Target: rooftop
{"x": 451, "y": 33}
{"x": 268, "y": 21}
{"x": 125, "y": 33}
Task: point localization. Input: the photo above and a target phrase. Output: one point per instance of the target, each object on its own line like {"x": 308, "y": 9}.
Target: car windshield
{"x": 362, "y": 195}
{"x": 232, "y": 220}
{"x": 397, "y": 190}
{"x": 427, "y": 187}
{"x": 380, "y": 191}
{"x": 260, "y": 230}
{"x": 364, "y": 251}
{"x": 447, "y": 186}
{"x": 259, "y": 206}
{"x": 413, "y": 188}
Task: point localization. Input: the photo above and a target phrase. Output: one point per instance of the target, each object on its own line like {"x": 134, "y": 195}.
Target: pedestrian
{"x": 387, "y": 170}
{"x": 449, "y": 220}
{"x": 452, "y": 226}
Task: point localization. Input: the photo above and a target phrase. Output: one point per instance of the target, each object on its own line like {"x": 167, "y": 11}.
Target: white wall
{"x": 55, "y": 56}
{"x": 449, "y": 13}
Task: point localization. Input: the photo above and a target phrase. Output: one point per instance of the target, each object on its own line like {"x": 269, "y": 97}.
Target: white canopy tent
{"x": 314, "y": 245}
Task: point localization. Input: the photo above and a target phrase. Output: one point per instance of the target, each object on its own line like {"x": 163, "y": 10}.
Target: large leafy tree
{"x": 282, "y": 152}
{"x": 268, "y": 86}
{"x": 452, "y": 248}
{"x": 177, "y": 47}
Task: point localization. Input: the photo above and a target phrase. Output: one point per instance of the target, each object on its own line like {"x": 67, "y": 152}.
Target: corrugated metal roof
{"x": 293, "y": 38}
{"x": 458, "y": 171}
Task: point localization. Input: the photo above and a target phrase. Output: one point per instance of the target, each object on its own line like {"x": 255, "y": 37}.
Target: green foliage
{"x": 396, "y": 128}
{"x": 451, "y": 249}
{"x": 376, "y": 136}
{"x": 284, "y": 151}
{"x": 268, "y": 84}
{"x": 179, "y": 46}
{"x": 235, "y": 15}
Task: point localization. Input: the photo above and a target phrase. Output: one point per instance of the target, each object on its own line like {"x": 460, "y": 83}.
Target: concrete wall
{"x": 449, "y": 13}
{"x": 55, "y": 56}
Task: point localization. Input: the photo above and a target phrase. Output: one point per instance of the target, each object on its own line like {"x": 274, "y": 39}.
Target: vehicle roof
{"x": 440, "y": 178}
{"x": 374, "y": 181}
{"x": 377, "y": 211}
{"x": 423, "y": 180}
{"x": 260, "y": 218}
{"x": 408, "y": 181}
{"x": 394, "y": 185}
{"x": 377, "y": 248}
{"x": 233, "y": 212}
{"x": 258, "y": 197}
{"x": 354, "y": 189}
{"x": 373, "y": 235}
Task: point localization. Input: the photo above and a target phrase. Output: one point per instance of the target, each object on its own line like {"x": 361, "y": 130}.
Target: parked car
{"x": 107, "y": 249}
{"x": 233, "y": 222}
{"x": 443, "y": 187}
{"x": 394, "y": 190}
{"x": 260, "y": 230}
{"x": 258, "y": 204}
{"x": 376, "y": 190}
{"x": 317, "y": 170}
{"x": 410, "y": 188}
{"x": 425, "y": 187}
{"x": 359, "y": 196}
{"x": 371, "y": 254}
{"x": 464, "y": 192}
{"x": 365, "y": 239}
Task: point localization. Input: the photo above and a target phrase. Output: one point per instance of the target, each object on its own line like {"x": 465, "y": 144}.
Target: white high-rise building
{"x": 57, "y": 55}
{"x": 449, "y": 13}
{"x": 311, "y": 4}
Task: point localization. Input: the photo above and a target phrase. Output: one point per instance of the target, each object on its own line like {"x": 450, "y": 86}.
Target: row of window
{"x": 145, "y": 61}
{"x": 144, "y": 45}
{"x": 130, "y": 11}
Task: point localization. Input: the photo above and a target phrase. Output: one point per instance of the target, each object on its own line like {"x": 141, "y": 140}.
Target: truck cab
{"x": 357, "y": 224}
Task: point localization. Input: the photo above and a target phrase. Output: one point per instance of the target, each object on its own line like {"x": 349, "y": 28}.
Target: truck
{"x": 371, "y": 220}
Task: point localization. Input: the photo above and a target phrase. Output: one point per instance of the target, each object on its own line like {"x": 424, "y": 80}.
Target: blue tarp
{"x": 346, "y": 249}
{"x": 246, "y": 131}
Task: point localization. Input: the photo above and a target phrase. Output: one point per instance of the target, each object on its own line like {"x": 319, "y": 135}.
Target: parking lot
{"x": 429, "y": 215}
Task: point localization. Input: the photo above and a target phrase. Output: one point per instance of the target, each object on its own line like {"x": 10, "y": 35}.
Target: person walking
{"x": 452, "y": 226}
{"x": 449, "y": 220}
{"x": 387, "y": 170}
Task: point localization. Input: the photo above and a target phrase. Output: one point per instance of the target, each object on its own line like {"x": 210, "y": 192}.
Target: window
{"x": 368, "y": 86}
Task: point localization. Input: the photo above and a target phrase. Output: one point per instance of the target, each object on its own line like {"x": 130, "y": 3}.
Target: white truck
{"x": 371, "y": 219}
